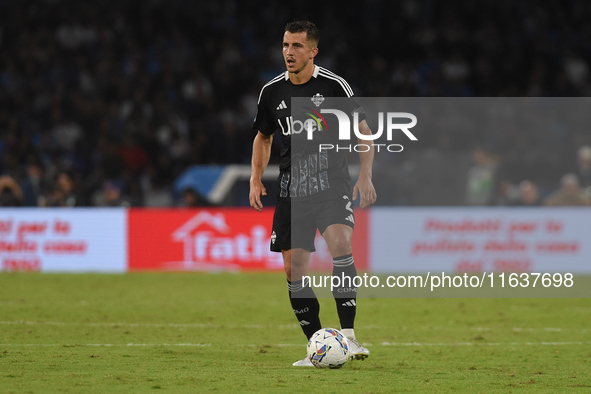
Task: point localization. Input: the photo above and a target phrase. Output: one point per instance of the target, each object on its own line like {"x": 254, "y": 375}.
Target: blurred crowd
{"x": 106, "y": 103}
{"x": 490, "y": 184}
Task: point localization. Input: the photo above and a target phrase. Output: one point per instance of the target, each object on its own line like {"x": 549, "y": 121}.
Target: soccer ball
{"x": 328, "y": 347}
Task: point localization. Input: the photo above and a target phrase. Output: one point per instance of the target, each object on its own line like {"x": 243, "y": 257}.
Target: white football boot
{"x": 305, "y": 362}
{"x": 356, "y": 351}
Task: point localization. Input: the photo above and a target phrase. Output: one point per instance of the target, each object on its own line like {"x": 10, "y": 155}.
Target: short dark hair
{"x": 312, "y": 33}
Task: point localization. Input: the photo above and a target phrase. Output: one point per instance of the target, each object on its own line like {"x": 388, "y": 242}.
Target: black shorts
{"x": 295, "y": 223}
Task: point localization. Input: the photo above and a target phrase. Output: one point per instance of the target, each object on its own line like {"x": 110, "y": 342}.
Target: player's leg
{"x": 338, "y": 239}
{"x": 301, "y": 295}
{"x": 336, "y": 225}
{"x": 295, "y": 260}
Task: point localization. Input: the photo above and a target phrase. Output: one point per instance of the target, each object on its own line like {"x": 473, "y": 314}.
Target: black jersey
{"x": 304, "y": 174}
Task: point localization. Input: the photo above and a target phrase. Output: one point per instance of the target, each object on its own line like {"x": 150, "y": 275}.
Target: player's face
{"x": 297, "y": 51}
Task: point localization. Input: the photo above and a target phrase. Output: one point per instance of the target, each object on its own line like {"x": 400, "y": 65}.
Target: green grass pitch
{"x": 197, "y": 332}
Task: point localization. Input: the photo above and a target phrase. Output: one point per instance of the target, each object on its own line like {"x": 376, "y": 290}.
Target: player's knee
{"x": 340, "y": 247}
{"x": 298, "y": 265}
{"x": 295, "y": 264}
{"x": 287, "y": 263}
{"x": 287, "y": 271}
{"x": 297, "y": 269}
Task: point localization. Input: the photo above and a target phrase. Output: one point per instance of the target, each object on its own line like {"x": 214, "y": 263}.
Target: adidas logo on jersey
{"x": 282, "y": 105}
{"x": 349, "y": 303}
{"x": 304, "y": 323}
{"x": 350, "y": 218}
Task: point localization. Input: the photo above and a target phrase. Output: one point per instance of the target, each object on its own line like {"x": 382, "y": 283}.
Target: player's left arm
{"x": 364, "y": 185}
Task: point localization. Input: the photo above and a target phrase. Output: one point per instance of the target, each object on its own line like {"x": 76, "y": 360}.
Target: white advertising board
{"x": 420, "y": 240}
{"x": 63, "y": 240}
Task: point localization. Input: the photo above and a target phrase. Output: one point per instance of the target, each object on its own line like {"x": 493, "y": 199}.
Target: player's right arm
{"x": 261, "y": 152}
{"x": 265, "y": 124}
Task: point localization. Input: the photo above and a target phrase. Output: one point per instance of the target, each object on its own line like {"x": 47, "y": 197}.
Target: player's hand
{"x": 256, "y": 191}
{"x": 367, "y": 193}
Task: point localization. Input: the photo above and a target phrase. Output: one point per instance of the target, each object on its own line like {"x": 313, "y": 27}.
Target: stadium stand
{"x": 123, "y": 98}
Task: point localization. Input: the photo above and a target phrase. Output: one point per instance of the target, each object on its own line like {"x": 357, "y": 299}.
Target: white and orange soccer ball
{"x": 328, "y": 348}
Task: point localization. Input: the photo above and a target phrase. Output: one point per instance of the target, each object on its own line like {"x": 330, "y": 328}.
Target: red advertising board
{"x": 217, "y": 239}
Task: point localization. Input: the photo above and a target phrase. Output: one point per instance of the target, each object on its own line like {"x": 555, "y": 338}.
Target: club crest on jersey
{"x": 317, "y": 99}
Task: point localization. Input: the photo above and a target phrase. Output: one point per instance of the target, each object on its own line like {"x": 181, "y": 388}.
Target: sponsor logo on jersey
{"x": 316, "y": 122}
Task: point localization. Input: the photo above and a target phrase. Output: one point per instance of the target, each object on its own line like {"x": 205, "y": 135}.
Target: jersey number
{"x": 348, "y": 206}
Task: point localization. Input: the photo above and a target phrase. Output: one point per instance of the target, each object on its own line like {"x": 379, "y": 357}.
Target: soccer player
{"x": 314, "y": 194}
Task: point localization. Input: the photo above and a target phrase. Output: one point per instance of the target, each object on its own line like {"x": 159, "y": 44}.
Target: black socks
{"x": 305, "y": 306}
{"x": 345, "y": 294}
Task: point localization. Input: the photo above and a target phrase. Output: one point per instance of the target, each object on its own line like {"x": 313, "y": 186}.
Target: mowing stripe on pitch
{"x": 404, "y": 344}
{"x": 124, "y": 324}
{"x": 394, "y": 344}
{"x": 104, "y": 344}
{"x": 280, "y": 326}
